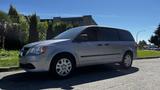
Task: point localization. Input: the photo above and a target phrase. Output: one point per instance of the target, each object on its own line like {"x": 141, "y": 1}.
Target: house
{"x": 76, "y": 21}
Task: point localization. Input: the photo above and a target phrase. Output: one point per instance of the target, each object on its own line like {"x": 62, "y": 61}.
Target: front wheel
{"x": 62, "y": 66}
{"x": 127, "y": 60}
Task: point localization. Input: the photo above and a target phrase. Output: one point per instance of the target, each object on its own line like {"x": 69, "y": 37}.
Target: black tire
{"x": 126, "y": 63}
{"x": 54, "y": 71}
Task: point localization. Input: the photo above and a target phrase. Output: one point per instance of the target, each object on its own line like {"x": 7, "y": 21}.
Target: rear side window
{"x": 125, "y": 36}
{"x": 108, "y": 34}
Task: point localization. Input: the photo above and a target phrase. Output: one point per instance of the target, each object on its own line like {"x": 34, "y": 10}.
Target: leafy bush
{"x": 9, "y": 58}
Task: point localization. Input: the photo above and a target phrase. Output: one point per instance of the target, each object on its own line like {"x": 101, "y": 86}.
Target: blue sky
{"x": 133, "y": 15}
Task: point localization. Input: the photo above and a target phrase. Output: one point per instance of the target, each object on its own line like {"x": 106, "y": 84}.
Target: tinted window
{"x": 108, "y": 34}
{"x": 90, "y": 34}
{"x": 125, "y": 36}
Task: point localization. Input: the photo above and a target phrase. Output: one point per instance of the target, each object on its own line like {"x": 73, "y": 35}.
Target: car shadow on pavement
{"x": 41, "y": 80}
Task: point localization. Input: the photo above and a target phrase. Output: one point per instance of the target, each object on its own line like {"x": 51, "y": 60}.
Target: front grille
{"x": 24, "y": 51}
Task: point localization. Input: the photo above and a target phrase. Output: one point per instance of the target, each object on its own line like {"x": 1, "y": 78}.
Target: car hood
{"x": 46, "y": 42}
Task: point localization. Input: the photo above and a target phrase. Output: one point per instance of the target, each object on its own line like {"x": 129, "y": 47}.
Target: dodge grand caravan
{"x": 80, "y": 46}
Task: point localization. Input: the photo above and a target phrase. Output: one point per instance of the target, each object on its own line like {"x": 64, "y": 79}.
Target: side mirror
{"x": 84, "y": 37}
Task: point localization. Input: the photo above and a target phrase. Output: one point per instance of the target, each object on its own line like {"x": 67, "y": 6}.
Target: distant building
{"x": 77, "y": 21}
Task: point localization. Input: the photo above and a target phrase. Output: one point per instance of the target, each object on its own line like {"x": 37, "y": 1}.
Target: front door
{"x": 89, "y": 49}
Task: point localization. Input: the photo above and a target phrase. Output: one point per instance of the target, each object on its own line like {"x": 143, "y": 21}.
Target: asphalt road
{"x": 144, "y": 75}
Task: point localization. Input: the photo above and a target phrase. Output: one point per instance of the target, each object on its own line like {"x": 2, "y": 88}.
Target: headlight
{"x": 37, "y": 50}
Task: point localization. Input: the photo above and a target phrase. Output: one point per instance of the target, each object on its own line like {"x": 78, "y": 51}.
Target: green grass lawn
{"x": 147, "y": 53}
{"x": 8, "y": 58}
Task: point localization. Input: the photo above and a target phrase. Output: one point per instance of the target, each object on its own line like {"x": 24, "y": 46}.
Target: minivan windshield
{"x": 69, "y": 34}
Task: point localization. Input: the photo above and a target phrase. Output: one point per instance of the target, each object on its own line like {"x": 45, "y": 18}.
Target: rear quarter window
{"x": 125, "y": 36}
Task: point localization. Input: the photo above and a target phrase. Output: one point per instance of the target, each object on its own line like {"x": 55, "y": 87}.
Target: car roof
{"x": 87, "y": 26}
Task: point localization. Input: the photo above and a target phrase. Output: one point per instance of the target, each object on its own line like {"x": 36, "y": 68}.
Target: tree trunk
{"x": 2, "y": 36}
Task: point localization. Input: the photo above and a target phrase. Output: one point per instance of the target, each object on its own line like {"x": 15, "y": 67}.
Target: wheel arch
{"x": 129, "y": 51}
{"x": 61, "y": 54}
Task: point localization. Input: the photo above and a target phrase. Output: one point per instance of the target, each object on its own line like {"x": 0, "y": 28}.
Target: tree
{"x": 4, "y": 20}
{"x": 4, "y": 17}
{"x": 24, "y": 27}
{"x": 13, "y": 36}
{"x": 155, "y": 39}
{"x": 50, "y": 31}
{"x": 55, "y": 28}
{"x": 42, "y": 28}
{"x": 33, "y": 32}
{"x": 13, "y": 14}
{"x": 16, "y": 31}
{"x": 60, "y": 27}
{"x": 141, "y": 44}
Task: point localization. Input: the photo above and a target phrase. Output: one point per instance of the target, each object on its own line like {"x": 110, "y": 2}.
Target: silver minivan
{"x": 80, "y": 46}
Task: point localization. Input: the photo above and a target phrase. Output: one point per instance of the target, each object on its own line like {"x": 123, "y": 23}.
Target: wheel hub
{"x": 127, "y": 60}
{"x": 63, "y": 67}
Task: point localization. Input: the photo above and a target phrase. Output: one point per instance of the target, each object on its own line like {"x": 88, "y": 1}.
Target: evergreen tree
{"x": 141, "y": 44}
{"x": 50, "y": 33}
{"x": 4, "y": 21}
{"x": 33, "y": 32}
{"x": 13, "y": 14}
{"x": 4, "y": 17}
{"x": 155, "y": 39}
{"x": 24, "y": 28}
{"x": 60, "y": 27}
{"x": 42, "y": 28}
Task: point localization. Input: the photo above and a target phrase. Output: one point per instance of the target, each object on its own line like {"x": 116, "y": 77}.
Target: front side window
{"x": 69, "y": 34}
{"x": 89, "y": 34}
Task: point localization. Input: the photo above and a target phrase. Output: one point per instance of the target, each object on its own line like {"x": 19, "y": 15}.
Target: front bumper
{"x": 34, "y": 63}
{"x": 27, "y": 66}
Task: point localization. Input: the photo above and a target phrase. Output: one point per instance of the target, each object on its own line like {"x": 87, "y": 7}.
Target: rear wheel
{"x": 127, "y": 60}
{"x": 62, "y": 66}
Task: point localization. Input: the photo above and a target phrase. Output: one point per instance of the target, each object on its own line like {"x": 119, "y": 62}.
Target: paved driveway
{"x": 144, "y": 75}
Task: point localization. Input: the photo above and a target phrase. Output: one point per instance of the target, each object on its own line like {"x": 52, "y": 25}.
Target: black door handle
{"x": 106, "y": 44}
{"x": 99, "y": 44}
